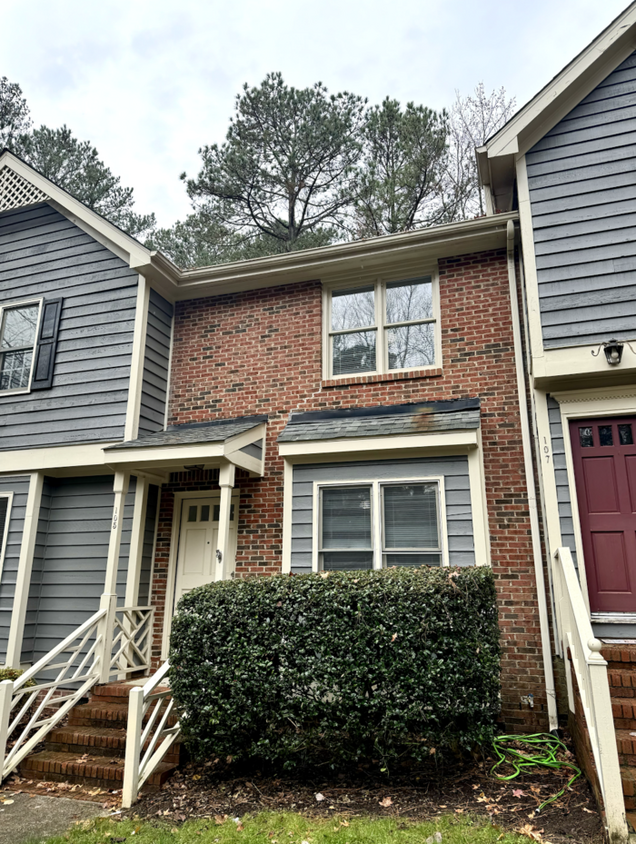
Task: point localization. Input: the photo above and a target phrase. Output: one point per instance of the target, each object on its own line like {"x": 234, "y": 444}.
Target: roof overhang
{"x": 496, "y": 160}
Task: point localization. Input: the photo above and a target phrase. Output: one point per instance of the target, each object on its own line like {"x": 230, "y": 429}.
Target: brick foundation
{"x": 260, "y": 352}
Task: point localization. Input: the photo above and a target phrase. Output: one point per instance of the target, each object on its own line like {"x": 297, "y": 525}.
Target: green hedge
{"x": 353, "y": 667}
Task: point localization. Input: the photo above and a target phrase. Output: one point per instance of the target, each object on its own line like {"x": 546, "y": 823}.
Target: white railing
{"x": 147, "y": 745}
{"x": 111, "y": 644}
{"x": 584, "y": 650}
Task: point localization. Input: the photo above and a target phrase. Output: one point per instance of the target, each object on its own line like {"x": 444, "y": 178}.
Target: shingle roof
{"x": 422, "y": 418}
{"x": 217, "y": 431}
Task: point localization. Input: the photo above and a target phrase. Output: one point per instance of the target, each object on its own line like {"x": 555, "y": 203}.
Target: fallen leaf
{"x": 220, "y": 819}
{"x": 320, "y": 797}
{"x": 240, "y": 827}
{"x": 432, "y": 751}
{"x": 7, "y": 802}
{"x": 394, "y": 637}
{"x": 518, "y": 792}
{"x": 342, "y": 823}
{"x": 196, "y": 777}
{"x": 386, "y": 802}
{"x": 589, "y": 811}
{"x": 434, "y": 839}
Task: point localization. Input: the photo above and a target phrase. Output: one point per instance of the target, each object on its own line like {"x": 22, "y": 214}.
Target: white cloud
{"x": 150, "y": 82}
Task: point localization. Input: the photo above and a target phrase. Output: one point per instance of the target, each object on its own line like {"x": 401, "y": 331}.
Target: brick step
{"x": 624, "y": 712}
{"x": 99, "y": 713}
{"x": 626, "y": 743}
{"x": 99, "y": 772}
{"x": 622, "y": 682}
{"x": 628, "y": 778}
{"x": 115, "y": 692}
{"x": 619, "y": 653}
{"x": 97, "y": 741}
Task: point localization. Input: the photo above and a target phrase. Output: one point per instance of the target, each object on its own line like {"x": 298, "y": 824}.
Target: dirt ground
{"x": 213, "y": 788}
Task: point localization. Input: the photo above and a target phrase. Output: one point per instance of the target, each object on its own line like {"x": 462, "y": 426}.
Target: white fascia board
{"x": 582, "y": 74}
{"x": 92, "y": 223}
{"x": 581, "y": 363}
{"x": 165, "y": 455}
{"x": 59, "y": 457}
{"x": 354, "y": 447}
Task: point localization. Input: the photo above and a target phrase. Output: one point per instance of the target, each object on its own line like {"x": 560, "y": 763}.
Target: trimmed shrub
{"x": 13, "y": 674}
{"x": 338, "y": 669}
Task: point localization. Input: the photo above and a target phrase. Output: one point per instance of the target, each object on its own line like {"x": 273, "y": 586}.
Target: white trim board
{"x": 5, "y": 533}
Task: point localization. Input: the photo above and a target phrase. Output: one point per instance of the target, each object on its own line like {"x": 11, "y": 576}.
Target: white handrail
{"x": 146, "y": 747}
{"x": 113, "y": 642}
{"x": 577, "y": 640}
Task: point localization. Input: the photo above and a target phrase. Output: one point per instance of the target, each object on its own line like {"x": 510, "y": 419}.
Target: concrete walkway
{"x": 37, "y": 817}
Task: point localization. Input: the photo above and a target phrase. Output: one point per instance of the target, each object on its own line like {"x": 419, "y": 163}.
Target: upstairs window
{"x": 383, "y": 327}
{"x": 379, "y": 524}
{"x": 18, "y": 333}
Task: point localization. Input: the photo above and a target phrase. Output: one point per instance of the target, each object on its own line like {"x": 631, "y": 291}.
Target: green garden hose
{"x": 510, "y": 750}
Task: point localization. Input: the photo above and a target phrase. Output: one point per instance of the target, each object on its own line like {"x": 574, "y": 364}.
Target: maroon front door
{"x": 605, "y": 471}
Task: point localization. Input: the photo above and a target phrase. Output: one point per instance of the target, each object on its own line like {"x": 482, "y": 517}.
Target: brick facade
{"x": 261, "y": 352}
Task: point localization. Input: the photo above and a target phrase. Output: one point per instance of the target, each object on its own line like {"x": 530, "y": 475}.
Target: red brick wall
{"x": 260, "y": 352}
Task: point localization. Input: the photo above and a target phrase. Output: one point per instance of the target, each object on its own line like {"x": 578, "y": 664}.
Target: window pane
{"x": 352, "y": 308}
{"x": 15, "y": 371}
{"x": 217, "y": 510}
{"x": 347, "y": 560}
{"x": 605, "y": 435}
{"x": 585, "y": 437}
{"x": 192, "y": 514}
{"x": 413, "y": 560}
{"x": 346, "y": 517}
{"x": 410, "y": 516}
{"x": 18, "y": 327}
{"x": 205, "y": 513}
{"x": 354, "y": 352}
{"x": 625, "y": 434}
{"x": 409, "y": 300}
{"x": 411, "y": 346}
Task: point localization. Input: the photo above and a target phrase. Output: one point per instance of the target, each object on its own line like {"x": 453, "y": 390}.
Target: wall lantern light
{"x": 613, "y": 350}
{"x": 194, "y": 466}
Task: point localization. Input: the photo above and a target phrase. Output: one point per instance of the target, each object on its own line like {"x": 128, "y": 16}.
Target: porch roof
{"x": 238, "y": 441}
{"x": 393, "y": 420}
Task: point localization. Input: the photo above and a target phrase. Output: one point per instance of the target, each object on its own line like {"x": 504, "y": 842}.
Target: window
{"x": 18, "y": 333}
{"x": 382, "y": 327}
{"x": 378, "y": 524}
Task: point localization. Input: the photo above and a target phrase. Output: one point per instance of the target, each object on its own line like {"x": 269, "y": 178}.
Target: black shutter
{"x": 47, "y": 342}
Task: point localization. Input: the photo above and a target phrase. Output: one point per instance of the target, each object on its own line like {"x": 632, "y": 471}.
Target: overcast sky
{"x": 150, "y": 81}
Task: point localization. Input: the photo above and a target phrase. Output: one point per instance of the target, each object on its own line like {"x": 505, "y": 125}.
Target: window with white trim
{"x": 372, "y": 525}
{"x": 383, "y": 327}
{"x": 18, "y": 335}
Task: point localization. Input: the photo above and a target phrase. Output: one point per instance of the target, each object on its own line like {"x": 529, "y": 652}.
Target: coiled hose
{"x": 542, "y": 750}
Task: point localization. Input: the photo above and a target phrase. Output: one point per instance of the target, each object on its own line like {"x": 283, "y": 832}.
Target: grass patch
{"x": 288, "y": 828}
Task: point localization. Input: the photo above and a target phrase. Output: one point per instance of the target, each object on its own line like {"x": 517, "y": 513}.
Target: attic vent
{"x": 16, "y": 192}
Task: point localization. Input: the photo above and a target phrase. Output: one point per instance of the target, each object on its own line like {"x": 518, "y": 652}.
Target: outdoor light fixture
{"x": 201, "y": 465}
{"x": 613, "y": 350}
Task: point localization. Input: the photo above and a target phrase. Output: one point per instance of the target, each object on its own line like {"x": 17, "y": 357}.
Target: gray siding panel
{"x": 582, "y": 180}
{"x": 44, "y": 254}
{"x": 19, "y": 486}
{"x": 156, "y": 363}
{"x": 561, "y": 476}
{"x": 457, "y": 488}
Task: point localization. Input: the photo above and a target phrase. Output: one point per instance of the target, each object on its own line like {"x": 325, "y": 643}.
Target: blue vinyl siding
{"x": 582, "y": 180}
{"x": 457, "y": 487}
{"x": 42, "y": 253}
{"x": 19, "y": 486}
{"x": 156, "y": 365}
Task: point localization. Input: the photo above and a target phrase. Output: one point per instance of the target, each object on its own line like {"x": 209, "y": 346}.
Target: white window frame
{"x": 377, "y": 526}
{"x": 9, "y": 306}
{"x": 5, "y": 533}
{"x": 379, "y": 283}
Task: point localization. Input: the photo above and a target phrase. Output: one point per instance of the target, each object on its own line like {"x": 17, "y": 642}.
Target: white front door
{"x": 196, "y": 560}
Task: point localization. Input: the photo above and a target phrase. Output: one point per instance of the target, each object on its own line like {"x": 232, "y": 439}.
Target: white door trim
{"x": 179, "y": 497}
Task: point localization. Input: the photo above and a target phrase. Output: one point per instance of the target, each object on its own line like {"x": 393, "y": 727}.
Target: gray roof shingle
{"x": 423, "y": 418}
{"x": 217, "y": 431}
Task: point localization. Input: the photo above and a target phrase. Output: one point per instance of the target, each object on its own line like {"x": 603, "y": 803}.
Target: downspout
{"x": 529, "y": 472}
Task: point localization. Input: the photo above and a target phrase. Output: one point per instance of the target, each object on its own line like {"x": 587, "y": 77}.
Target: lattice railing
{"x": 132, "y": 637}
{"x": 147, "y": 745}
{"x": 16, "y": 192}
{"x": 30, "y": 707}
{"x": 580, "y": 646}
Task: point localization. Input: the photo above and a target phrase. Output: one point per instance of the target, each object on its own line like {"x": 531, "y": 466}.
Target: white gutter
{"x": 532, "y": 493}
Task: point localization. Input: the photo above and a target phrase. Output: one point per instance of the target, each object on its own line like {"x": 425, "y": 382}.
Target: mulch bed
{"x": 214, "y": 789}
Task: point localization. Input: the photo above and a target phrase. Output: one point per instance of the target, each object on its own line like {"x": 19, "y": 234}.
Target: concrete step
{"x": 93, "y": 770}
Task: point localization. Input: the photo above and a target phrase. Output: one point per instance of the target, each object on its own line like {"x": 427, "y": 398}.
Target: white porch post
{"x": 25, "y": 566}
{"x": 226, "y": 482}
{"x": 137, "y": 542}
{"x": 109, "y": 596}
